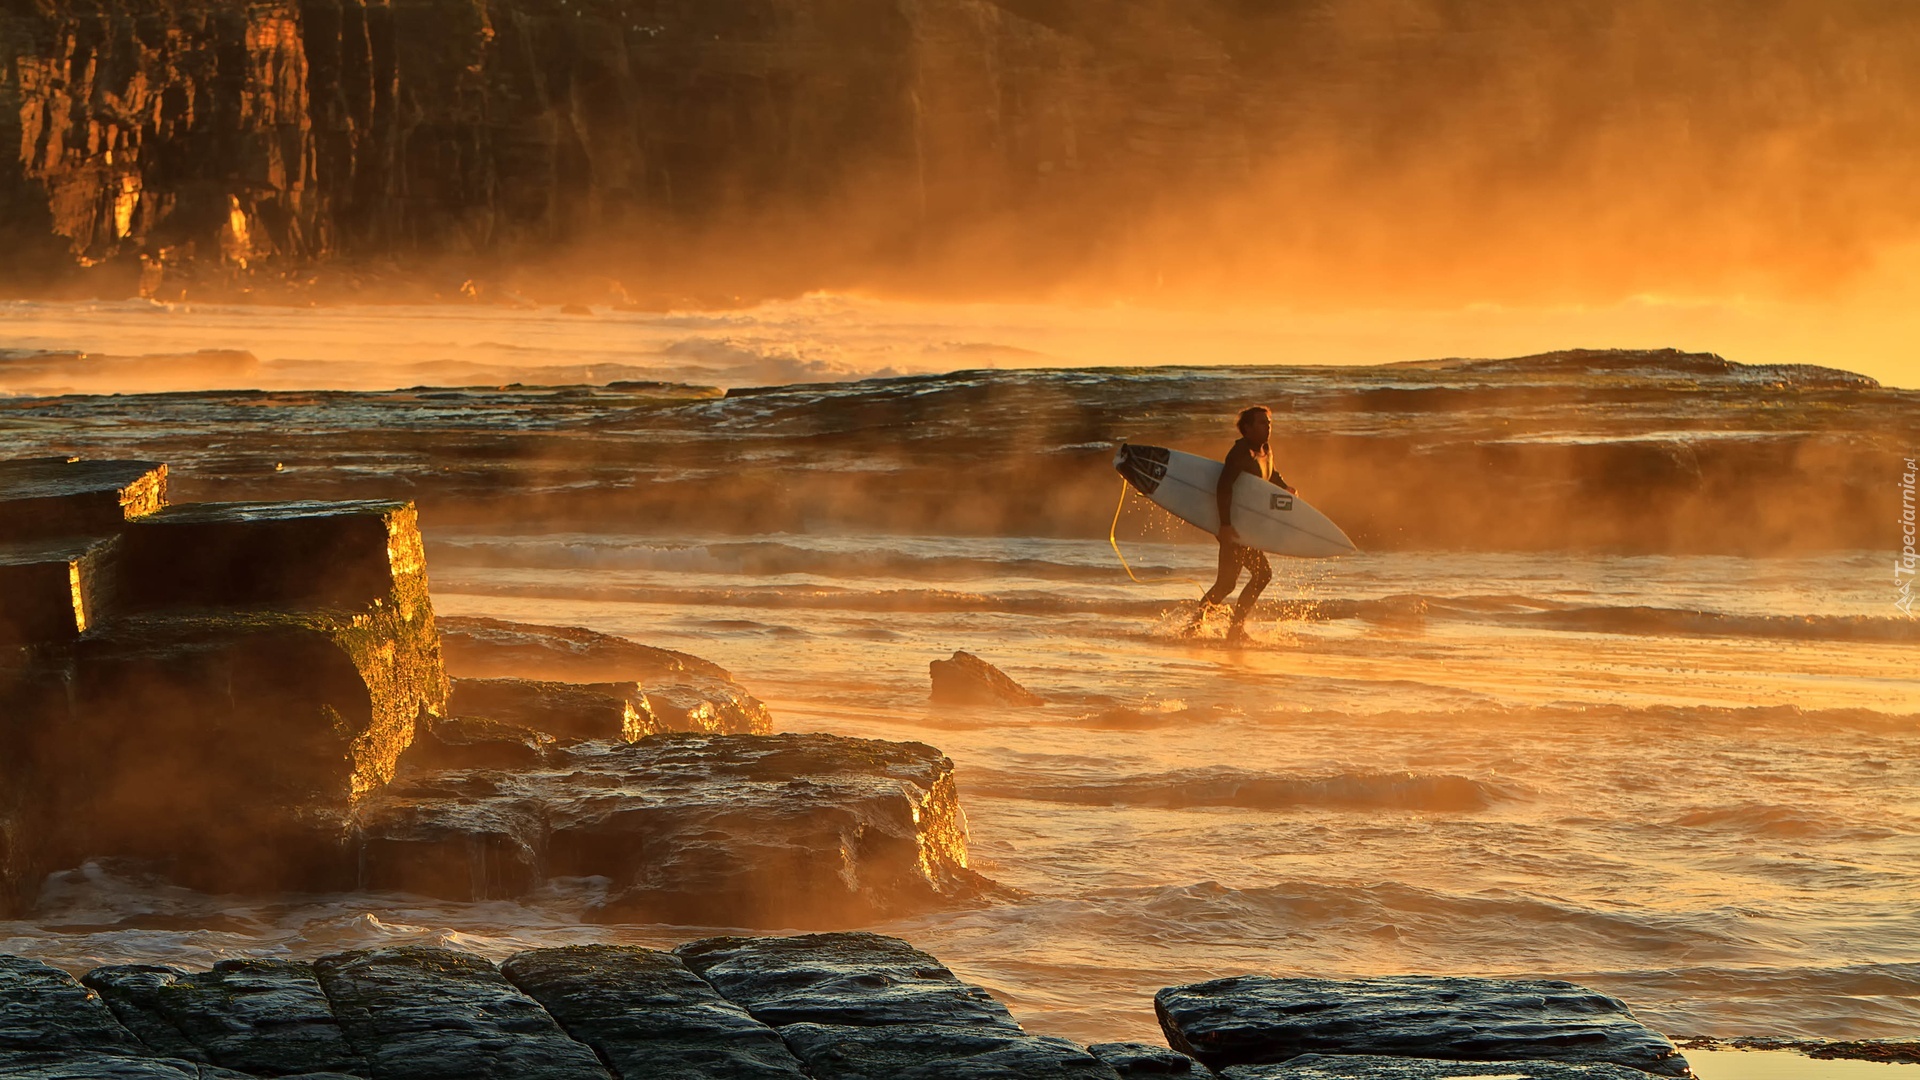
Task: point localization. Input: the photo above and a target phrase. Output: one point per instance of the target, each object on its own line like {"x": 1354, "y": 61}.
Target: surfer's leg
{"x": 1261, "y": 574}
{"x": 1223, "y": 584}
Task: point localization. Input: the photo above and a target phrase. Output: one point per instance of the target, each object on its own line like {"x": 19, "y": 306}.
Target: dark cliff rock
{"x": 48, "y": 498}
{"x": 436, "y": 1014}
{"x": 226, "y": 683}
{"x": 265, "y": 1017}
{"x": 965, "y": 679}
{"x": 56, "y": 589}
{"x": 648, "y": 1016}
{"x": 861, "y": 1006}
{"x": 240, "y": 147}
{"x": 1375, "y": 1067}
{"x": 777, "y": 830}
{"x": 1252, "y": 1020}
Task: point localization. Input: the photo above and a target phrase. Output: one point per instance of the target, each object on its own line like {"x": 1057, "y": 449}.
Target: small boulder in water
{"x": 965, "y": 679}
{"x": 1254, "y": 1019}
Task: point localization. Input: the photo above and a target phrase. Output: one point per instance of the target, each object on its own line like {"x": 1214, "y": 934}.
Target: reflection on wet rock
{"x": 647, "y": 1015}
{"x": 257, "y": 1016}
{"x": 1253, "y": 1019}
{"x": 437, "y": 1014}
{"x": 865, "y": 1007}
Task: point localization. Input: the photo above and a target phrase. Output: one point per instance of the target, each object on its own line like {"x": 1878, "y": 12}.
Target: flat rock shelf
{"x": 833, "y": 1006}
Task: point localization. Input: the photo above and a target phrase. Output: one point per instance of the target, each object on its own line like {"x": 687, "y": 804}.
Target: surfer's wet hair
{"x": 1247, "y": 415}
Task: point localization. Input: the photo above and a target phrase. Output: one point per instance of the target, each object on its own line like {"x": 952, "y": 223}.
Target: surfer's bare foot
{"x": 1236, "y": 634}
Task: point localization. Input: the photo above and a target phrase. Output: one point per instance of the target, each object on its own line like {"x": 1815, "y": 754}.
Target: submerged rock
{"x": 44, "y": 498}
{"x": 965, "y": 679}
{"x": 777, "y": 830}
{"x": 1376, "y": 1067}
{"x": 436, "y": 1014}
{"x": 858, "y": 1006}
{"x": 648, "y": 1017}
{"x": 1254, "y": 1019}
{"x": 267, "y": 1017}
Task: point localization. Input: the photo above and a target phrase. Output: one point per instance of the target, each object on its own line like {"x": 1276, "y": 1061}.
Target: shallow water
{"x": 1687, "y": 779}
{"x": 1426, "y": 781}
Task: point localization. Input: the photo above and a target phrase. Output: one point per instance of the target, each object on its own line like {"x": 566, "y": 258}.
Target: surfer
{"x": 1252, "y": 454}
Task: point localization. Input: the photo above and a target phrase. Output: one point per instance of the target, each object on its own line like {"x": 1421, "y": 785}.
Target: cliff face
{"x": 157, "y": 137}
{"x": 163, "y": 144}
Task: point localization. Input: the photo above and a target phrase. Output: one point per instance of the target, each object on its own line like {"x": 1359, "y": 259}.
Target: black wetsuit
{"x": 1234, "y": 558}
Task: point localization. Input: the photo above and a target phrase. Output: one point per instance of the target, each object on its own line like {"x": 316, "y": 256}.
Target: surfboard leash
{"x": 1113, "y": 537}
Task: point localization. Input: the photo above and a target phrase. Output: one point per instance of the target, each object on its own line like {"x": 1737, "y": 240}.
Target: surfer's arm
{"x": 1236, "y": 463}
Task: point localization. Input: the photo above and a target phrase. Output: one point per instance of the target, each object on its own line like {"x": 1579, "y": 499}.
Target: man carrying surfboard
{"x": 1252, "y": 454}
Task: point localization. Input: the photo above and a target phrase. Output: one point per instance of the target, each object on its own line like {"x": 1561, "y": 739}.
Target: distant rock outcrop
{"x": 1256, "y": 1020}
{"x": 965, "y": 679}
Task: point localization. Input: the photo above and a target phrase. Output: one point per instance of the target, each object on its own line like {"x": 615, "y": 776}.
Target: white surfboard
{"x": 1266, "y": 515}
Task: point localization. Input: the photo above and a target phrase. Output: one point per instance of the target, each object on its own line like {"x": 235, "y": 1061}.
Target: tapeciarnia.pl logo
{"x": 1904, "y": 566}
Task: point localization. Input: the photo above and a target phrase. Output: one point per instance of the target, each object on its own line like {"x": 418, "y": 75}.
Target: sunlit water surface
{"x": 1421, "y": 763}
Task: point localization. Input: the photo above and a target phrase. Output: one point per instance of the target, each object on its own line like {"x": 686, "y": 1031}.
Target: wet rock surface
{"x": 423, "y": 1013}
{"x": 268, "y": 1017}
{"x": 778, "y": 830}
{"x": 965, "y": 679}
{"x": 1249, "y": 1020}
{"x": 1141, "y": 1059}
{"x": 859, "y": 1005}
{"x": 492, "y": 648}
{"x": 577, "y": 683}
{"x": 1375, "y": 1067}
{"x": 648, "y": 1016}
{"x": 838, "y": 1006}
{"x": 572, "y": 711}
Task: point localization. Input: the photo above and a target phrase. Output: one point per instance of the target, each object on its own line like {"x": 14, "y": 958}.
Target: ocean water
{"x": 1687, "y": 777}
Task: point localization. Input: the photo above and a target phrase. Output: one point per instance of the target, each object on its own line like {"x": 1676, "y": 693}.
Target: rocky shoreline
{"x": 258, "y": 697}
{"x": 841, "y": 1006}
